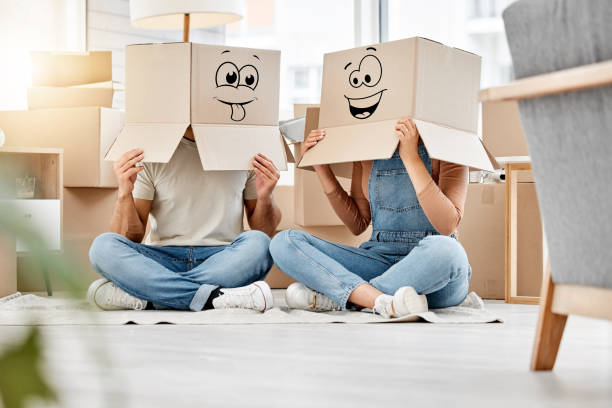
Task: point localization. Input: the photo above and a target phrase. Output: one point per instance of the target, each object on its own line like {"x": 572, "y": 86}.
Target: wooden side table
{"x": 513, "y": 167}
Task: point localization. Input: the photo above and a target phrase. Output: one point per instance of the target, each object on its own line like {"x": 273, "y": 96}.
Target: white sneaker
{"x": 406, "y": 301}
{"x": 300, "y": 296}
{"x": 256, "y": 296}
{"x": 107, "y": 296}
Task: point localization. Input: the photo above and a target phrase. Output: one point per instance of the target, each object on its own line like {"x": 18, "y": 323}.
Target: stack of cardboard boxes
{"x": 482, "y": 231}
{"x": 69, "y": 107}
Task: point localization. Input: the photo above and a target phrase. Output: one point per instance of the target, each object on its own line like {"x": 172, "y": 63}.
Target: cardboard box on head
{"x": 227, "y": 95}
{"x": 366, "y": 90}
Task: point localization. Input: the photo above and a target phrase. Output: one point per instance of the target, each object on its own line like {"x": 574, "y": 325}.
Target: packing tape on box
{"x": 488, "y": 177}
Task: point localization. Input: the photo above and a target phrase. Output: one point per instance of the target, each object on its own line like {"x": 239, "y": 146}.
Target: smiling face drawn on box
{"x": 238, "y": 85}
{"x": 364, "y": 78}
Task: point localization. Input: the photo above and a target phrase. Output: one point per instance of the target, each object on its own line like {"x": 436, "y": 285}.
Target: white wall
{"x": 34, "y": 25}
{"x": 109, "y": 28}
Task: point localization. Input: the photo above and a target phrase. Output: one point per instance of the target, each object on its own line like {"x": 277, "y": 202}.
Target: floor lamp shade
{"x": 170, "y": 14}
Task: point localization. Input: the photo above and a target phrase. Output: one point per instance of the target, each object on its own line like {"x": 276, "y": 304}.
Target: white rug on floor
{"x": 26, "y": 310}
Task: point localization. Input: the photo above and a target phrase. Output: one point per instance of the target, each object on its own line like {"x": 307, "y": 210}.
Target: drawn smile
{"x": 363, "y": 108}
{"x": 238, "y": 112}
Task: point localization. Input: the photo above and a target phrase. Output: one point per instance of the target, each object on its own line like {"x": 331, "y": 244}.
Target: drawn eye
{"x": 249, "y": 76}
{"x": 371, "y": 70}
{"x": 355, "y": 79}
{"x": 227, "y": 75}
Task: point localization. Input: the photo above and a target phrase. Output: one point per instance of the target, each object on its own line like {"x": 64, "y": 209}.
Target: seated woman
{"x": 412, "y": 259}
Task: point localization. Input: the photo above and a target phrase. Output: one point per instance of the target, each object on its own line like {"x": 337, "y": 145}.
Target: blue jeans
{"x": 437, "y": 266}
{"x": 180, "y": 277}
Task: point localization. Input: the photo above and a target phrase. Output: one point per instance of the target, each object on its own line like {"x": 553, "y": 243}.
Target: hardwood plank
{"x": 568, "y": 80}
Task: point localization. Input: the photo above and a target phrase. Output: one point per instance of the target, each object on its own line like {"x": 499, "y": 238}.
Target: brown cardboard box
{"x": 530, "y": 237}
{"x": 87, "y": 211}
{"x": 30, "y": 272}
{"x": 502, "y": 130}
{"x": 85, "y": 134}
{"x": 66, "y": 80}
{"x": 344, "y": 170}
{"x": 366, "y": 90}
{"x": 70, "y": 68}
{"x": 227, "y": 95}
{"x": 312, "y": 208}
{"x": 52, "y": 97}
{"x": 8, "y": 265}
{"x": 482, "y": 234}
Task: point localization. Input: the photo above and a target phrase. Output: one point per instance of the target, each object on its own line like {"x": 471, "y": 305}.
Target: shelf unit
{"x": 42, "y": 212}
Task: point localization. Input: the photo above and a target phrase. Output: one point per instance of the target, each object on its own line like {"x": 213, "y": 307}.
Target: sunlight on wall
{"x": 42, "y": 25}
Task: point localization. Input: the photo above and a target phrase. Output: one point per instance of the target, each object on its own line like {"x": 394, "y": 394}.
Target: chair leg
{"x": 549, "y": 330}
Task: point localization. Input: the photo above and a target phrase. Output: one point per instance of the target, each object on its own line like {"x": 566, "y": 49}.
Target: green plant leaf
{"x": 21, "y": 377}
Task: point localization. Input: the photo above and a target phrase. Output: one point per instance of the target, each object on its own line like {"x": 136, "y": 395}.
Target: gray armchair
{"x": 562, "y": 58}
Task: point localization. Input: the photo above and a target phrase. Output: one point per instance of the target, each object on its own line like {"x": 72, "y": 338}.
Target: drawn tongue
{"x": 238, "y": 112}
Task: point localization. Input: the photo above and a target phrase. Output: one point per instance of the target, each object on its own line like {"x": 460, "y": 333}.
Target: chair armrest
{"x": 567, "y": 80}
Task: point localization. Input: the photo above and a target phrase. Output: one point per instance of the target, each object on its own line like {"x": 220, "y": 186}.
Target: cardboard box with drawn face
{"x": 227, "y": 95}
{"x": 366, "y": 90}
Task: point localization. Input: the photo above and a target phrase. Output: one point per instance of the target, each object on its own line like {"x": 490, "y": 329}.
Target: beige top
{"x": 193, "y": 207}
{"x": 442, "y": 199}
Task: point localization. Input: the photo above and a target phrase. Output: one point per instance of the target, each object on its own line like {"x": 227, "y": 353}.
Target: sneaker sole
{"x": 267, "y": 294}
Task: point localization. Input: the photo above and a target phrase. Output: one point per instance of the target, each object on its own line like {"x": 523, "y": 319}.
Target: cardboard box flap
{"x": 231, "y": 147}
{"x": 293, "y": 129}
{"x": 288, "y": 152}
{"x": 368, "y": 141}
{"x": 158, "y": 141}
{"x": 455, "y": 146}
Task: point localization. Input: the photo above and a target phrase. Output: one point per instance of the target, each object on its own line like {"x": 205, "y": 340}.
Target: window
{"x": 301, "y": 78}
{"x": 303, "y": 31}
{"x": 472, "y": 25}
{"x": 47, "y": 25}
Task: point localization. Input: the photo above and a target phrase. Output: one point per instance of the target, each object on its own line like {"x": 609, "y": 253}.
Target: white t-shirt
{"x": 193, "y": 207}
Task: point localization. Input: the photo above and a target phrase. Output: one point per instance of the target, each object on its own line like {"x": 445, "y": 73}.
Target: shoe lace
{"x": 119, "y": 297}
{"x": 239, "y": 298}
{"x": 382, "y": 307}
{"x": 322, "y": 302}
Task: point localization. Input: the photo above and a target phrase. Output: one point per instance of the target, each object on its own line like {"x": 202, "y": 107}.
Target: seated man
{"x": 198, "y": 255}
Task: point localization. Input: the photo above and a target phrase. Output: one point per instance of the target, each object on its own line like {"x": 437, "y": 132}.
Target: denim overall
{"x": 404, "y": 249}
{"x": 398, "y": 221}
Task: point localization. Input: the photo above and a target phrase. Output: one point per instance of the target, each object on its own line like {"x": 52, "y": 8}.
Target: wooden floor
{"x": 400, "y": 365}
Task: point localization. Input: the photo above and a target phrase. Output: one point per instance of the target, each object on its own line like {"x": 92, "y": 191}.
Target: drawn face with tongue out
{"x": 236, "y": 87}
